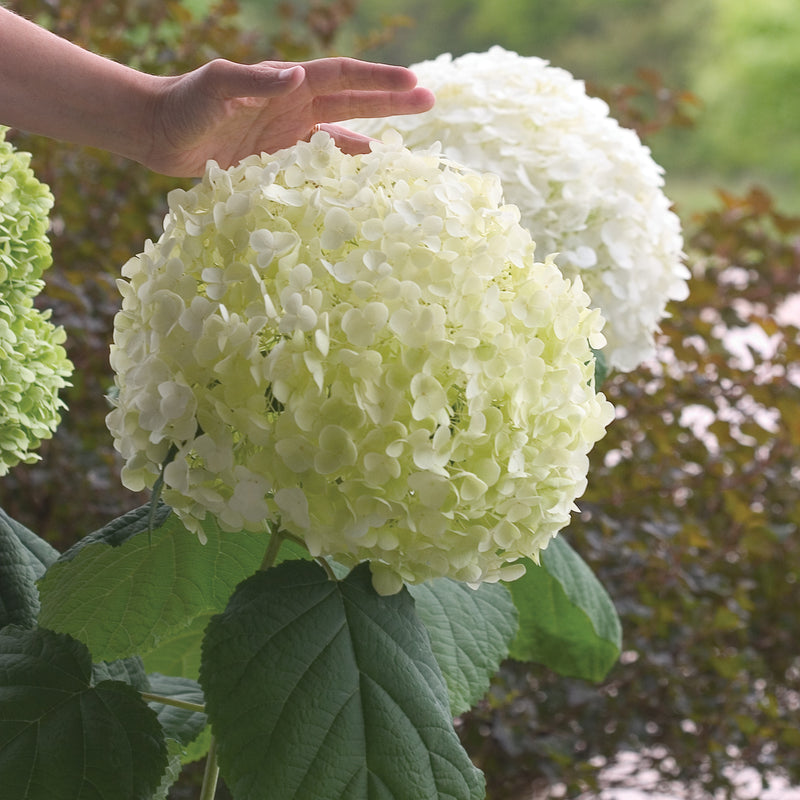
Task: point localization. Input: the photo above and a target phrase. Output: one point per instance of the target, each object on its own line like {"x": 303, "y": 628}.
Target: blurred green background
{"x": 739, "y": 59}
{"x": 692, "y": 512}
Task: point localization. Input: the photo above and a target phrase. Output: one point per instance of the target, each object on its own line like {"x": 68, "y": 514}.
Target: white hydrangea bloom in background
{"x": 587, "y": 188}
{"x": 364, "y": 349}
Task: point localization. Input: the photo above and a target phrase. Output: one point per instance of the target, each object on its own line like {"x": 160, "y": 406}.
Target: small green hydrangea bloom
{"x": 33, "y": 362}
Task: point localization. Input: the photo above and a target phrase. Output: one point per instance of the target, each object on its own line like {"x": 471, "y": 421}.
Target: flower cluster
{"x": 33, "y": 362}
{"x": 362, "y": 349}
{"x": 586, "y": 188}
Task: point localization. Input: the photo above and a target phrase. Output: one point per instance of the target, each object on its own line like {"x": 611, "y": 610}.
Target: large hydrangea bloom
{"x": 363, "y": 349}
{"x": 586, "y": 187}
{"x": 33, "y": 362}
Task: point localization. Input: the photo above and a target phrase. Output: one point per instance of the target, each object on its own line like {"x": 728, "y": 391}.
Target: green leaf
{"x": 62, "y": 738}
{"x": 470, "y": 630}
{"x": 199, "y": 748}
{"x": 322, "y": 690}
{"x": 173, "y": 771}
{"x": 129, "y": 670}
{"x": 179, "y": 653}
{"x": 567, "y": 621}
{"x": 119, "y": 530}
{"x": 148, "y": 589}
{"x": 601, "y": 369}
{"x": 19, "y": 600}
{"x": 41, "y": 554}
{"x": 180, "y": 724}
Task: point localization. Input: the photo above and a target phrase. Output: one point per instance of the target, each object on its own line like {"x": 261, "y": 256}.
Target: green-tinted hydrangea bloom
{"x": 33, "y": 362}
{"x": 365, "y": 348}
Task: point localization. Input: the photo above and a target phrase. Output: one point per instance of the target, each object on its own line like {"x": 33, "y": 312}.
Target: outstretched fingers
{"x": 358, "y": 104}
{"x": 331, "y": 75}
{"x": 322, "y": 77}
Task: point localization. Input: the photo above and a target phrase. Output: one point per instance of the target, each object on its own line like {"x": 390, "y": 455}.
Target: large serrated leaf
{"x": 567, "y": 621}
{"x": 148, "y": 589}
{"x": 41, "y": 554}
{"x": 324, "y": 690}
{"x": 62, "y": 738}
{"x": 470, "y": 629}
{"x": 179, "y": 653}
{"x": 19, "y": 600}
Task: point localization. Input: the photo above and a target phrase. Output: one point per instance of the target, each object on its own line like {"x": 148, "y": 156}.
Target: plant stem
{"x": 171, "y": 701}
{"x": 275, "y": 541}
{"x": 292, "y": 538}
{"x": 211, "y": 774}
{"x": 323, "y": 562}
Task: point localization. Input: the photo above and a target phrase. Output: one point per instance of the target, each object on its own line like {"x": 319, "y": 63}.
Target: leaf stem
{"x": 172, "y": 701}
{"x": 211, "y": 774}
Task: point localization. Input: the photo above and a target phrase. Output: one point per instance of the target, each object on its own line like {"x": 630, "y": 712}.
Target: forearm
{"x": 221, "y": 111}
{"x": 54, "y": 88}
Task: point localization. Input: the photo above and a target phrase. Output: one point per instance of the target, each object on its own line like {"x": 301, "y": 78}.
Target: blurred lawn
{"x": 698, "y": 192}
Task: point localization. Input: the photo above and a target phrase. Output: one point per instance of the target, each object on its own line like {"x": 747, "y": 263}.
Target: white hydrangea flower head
{"x": 587, "y": 188}
{"x": 33, "y": 362}
{"x": 362, "y": 349}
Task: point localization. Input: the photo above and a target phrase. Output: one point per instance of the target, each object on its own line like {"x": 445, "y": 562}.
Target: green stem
{"x": 171, "y": 701}
{"x": 292, "y": 538}
{"x": 323, "y": 562}
{"x": 155, "y": 496}
{"x": 211, "y": 774}
{"x": 275, "y": 541}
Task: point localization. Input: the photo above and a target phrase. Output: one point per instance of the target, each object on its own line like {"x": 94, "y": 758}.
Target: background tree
{"x": 748, "y": 66}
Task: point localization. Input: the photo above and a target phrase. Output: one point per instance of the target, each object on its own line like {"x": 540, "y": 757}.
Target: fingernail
{"x": 289, "y": 73}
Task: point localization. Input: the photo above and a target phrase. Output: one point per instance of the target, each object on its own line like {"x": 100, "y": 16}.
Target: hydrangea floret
{"x": 586, "y": 187}
{"x": 33, "y": 363}
{"x": 362, "y": 350}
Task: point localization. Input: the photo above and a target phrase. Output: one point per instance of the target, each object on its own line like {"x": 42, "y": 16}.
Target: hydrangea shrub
{"x": 587, "y": 188}
{"x": 363, "y": 350}
{"x": 33, "y": 363}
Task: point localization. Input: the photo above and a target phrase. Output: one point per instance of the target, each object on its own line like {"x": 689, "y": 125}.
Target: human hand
{"x": 226, "y": 111}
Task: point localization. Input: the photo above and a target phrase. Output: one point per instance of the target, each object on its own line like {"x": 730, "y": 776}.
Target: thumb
{"x": 291, "y": 77}
{"x": 228, "y": 79}
{"x": 272, "y": 81}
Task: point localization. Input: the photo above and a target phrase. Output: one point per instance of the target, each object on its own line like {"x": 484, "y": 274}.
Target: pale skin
{"x": 174, "y": 125}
